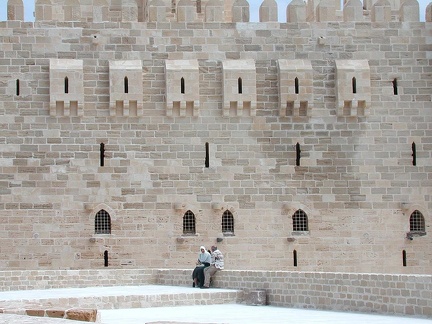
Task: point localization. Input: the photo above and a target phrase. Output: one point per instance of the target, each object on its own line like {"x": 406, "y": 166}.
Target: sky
{"x": 254, "y": 6}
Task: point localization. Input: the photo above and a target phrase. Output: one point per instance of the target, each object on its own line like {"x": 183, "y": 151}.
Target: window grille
{"x": 189, "y": 223}
{"x": 102, "y": 222}
{"x": 227, "y": 222}
{"x": 417, "y": 222}
{"x": 300, "y": 221}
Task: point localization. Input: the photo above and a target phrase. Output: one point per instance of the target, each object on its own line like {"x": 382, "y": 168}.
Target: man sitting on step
{"x": 217, "y": 263}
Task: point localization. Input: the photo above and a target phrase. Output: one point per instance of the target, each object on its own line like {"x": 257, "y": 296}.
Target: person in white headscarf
{"x": 204, "y": 259}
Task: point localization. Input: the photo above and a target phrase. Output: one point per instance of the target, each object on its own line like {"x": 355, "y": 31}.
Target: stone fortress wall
{"x": 311, "y": 137}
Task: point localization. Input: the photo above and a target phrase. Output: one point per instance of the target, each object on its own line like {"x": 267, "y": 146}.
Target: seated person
{"x": 204, "y": 259}
{"x": 217, "y": 263}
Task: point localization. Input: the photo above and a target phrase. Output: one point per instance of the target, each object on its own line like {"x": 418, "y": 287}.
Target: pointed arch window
{"x": 300, "y": 221}
{"x": 102, "y": 222}
{"x": 227, "y": 223}
{"x": 417, "y": 222}
{"x": 189, "y": 223}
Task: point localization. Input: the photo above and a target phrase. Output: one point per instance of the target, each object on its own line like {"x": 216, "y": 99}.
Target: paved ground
{"x": 236, "y": 314}
{"x": 215, "y": 314}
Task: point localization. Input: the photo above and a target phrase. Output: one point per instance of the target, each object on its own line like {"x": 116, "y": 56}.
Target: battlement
{"x": 218, "y": 11}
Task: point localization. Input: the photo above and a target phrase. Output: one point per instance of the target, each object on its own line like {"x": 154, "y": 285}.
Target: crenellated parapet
{"x": 223, "y": 11}
{"x": 15, "y": 10}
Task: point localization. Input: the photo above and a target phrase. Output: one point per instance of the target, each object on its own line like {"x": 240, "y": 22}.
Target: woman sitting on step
{"x": 204, "y": 259}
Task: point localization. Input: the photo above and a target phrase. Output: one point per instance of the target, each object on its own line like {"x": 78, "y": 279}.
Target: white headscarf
{"x": 204, "y": 256}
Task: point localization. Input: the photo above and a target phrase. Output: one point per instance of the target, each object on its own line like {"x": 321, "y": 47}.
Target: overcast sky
{"x": 254, "y": 5}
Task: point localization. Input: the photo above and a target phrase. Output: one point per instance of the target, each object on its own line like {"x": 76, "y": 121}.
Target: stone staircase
{"x": 82, "y": 303}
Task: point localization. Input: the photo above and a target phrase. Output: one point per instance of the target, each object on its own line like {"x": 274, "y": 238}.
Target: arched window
{"x": 417, "y": 222}
{"x": 240, "y": 85}
{"x": 17, "y": 87}
{"x": 300, "y": 221}
{"x": 102, "y": 222}
{"x": 296, "y": 86}
{"x": 227, "y": 222}
{"x": 354, "y": 85}
{"x": 189, "y": 223}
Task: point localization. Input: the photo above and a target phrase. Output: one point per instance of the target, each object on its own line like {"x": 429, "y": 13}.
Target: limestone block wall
{"x": 52, "y": 279}
{"x": 356, "y": 292}
{"x": 355, "y": 187}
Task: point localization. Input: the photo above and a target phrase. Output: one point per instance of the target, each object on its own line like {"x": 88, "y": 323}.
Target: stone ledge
{"x": 77, "y": 314}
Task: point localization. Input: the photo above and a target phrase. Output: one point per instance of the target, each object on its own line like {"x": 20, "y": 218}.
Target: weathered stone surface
{"x": 35, "y": 312}
{"x": 257, "y": 298}
{"x": 85, "y": 315}
{"x": 55, "y": 313}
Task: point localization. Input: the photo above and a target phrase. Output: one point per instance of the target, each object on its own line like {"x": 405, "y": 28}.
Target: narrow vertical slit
{"x": 207, "y": 157}
{"x": 126, "y": 85}
{"x": 298, "y": 154}
{"x": 404, "y": 260}
{"x": 106, "y": 258}
{"x": 102, "y": 154}
{"x": 17, "y": 87}
{"x": 414, "y": 153}
{"x": 66, "y": 85}
{"x": 395, "y": 88}
{"x": 296, "y": 85}
{"x": 354, "y": 85}
{"x": 182, "y": 86}
{"x": 295, "y": 258}
{"x": 240, "y": 85}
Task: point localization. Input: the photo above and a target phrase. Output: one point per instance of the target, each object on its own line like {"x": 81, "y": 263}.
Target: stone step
{"x": 116, "y": 297}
